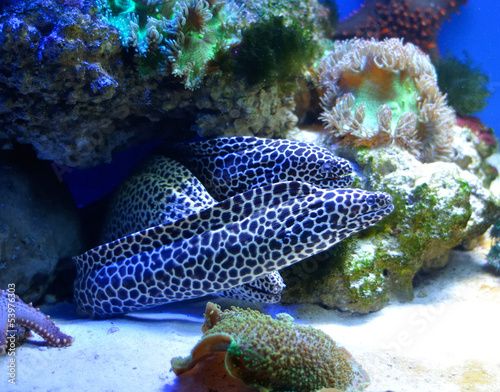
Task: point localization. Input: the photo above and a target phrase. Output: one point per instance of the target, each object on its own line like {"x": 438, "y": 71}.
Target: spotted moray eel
{"x": 229, "y": 244}
{"x": 162, "y": 190}
{"x": 112, "y": 280}
{"x": 228, "y": 166}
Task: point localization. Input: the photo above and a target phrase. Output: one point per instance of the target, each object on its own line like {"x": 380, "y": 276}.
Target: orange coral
{"x": 274, "y": 354}
{"x": 376, "y": 93}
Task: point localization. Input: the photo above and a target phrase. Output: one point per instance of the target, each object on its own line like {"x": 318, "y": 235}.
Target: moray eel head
{"x": 327, "y": 216}
{"x": 331, "y": 172}
{"x": 352, "y": 210}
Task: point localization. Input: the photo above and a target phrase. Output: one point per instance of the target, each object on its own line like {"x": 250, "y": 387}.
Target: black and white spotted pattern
{"x": 228, "y": 166}
{"x": 227, "y": 245}
{"x": 160, "y": 191}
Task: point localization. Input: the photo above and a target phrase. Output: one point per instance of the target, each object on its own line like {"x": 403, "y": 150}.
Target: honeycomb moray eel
{"x": 229, "y": 244}
{"x": 161, "y": 190}
{"x": 228, "y": 166}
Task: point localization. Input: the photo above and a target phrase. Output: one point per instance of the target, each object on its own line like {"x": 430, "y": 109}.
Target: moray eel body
{"x": 161, "y": 190}
{"x": 228, "y": 166}
{"x": 231, "y": 243}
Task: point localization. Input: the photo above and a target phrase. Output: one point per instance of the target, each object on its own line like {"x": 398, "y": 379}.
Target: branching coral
{"x": 377, "y": 93}
{"x": 185, "y": 34}
{"x": 417, "y": 21}
{"x": 274, "y": 354}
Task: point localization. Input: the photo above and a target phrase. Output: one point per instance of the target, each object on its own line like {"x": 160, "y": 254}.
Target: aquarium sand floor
{"x": 445, "y": 340}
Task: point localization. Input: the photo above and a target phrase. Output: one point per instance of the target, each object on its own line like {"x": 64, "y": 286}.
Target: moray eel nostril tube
{"x": 228, "y": 244}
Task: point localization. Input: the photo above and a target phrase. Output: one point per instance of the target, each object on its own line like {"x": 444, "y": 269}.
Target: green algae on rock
{"x": 274, "y": 354}
{"x": 438, "y": 206}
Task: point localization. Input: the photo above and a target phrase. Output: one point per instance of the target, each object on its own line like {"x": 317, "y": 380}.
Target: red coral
{"x": 417, "y": 21}
{"x": 486, "y": 143}
{"x": 473, "y": 123}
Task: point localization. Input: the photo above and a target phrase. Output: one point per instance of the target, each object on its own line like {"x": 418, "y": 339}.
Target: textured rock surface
{"x": 438, "y": 207}
{"x": 70, "y": 89}
{"x": 38, "y": 226}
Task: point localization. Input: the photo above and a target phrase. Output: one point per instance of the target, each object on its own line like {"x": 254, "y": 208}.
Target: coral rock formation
{"x": 377, "y": 93}
{"x": 80, "y": 80}
{"x": 274, "y": 354}
{"x": 438, "y": 206}
{"x": 39, "y": 226}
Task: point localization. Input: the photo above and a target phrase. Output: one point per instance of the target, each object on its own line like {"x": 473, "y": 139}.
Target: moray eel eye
{"x": 327, "y": 167}
{"x": 370, "y": 200}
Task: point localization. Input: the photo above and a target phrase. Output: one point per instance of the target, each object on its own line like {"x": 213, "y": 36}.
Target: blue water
{"x": 476, "y": 30}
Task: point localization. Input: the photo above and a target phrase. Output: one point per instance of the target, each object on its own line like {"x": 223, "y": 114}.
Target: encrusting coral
{"x": 376, "y": 93}
{"x": 274, "y": 354}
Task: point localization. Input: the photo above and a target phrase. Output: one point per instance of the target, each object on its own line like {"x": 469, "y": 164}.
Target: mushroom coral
{"x": 376, "y": 93}
{"x": 274, "y": 354}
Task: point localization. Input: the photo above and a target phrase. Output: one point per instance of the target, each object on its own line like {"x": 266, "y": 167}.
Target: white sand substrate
{"x": 446, "y": 340}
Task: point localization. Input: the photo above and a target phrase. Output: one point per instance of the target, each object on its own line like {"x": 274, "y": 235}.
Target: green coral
{"x": 196, "y": 43}
{"x": 274, "y": 52}
{"x": 180, "y": 37}
{"x": 465, "y": 84}
{"x": 311, "y": 14}
{"x": 274, "y": 354}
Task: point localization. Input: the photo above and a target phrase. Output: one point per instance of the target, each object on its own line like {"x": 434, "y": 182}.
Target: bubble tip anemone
{"x": 378, "y": 93}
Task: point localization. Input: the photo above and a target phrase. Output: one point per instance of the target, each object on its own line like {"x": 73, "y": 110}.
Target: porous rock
{"x": 39, "y": 226}
{"x": 438, "y": 206}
